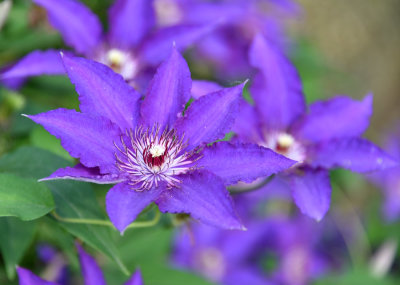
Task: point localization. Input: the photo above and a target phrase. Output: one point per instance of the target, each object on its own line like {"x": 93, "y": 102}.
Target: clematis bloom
{"x": 132, "y": 46}
{"x": 150, "y": 150}
{"x": 230, "y": 40}
{"x": 328, "y": 136}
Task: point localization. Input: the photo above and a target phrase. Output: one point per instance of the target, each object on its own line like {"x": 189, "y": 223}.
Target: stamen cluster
{"x": 150, "y": 157}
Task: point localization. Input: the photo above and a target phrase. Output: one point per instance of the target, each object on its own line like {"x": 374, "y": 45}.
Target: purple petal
{"x": 26, "y": 277}
{"x": 390, "y": 185}
{"x": 204, "y": 197}
{"x": 81, "y": 173}
{"x": 355, "y": 154}
{"x": 124, "y": 204}
{"x": 157, "y": 47}
{"x": 79, "y": 27}
{"x": 335, "y": 118}
{"x": 311, "y": 192}
{"x": 247, "y": 125}
{"x": 204, "y": 87}
{"x": 210, "y": 117}
{"x": 92, "y": 274}
{"x": 103, "y": 92}
{"x": 277, "y": 89}
{"x": 89, "y": 138}
{"x": 249, "y": 275}
{"x": 168, "y": 92}
{"x": 242, "y": 162}
{"x": 36, "y": 63}
{"x": 136, "y": 279}
{"x": 130, "y": 21}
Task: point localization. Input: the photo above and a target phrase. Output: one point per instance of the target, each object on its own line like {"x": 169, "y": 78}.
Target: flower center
{"x": 116, "y": 58}
{"x": 168, "y": 12}
{"x": 286, "y": 145}
{"x": 120, "y": 61}
{"x": 155, "y": 157}
{"x": 211, "y": 263}
{"x": 149, "y": 157}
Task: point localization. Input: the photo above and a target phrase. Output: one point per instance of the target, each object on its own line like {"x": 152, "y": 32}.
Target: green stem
{"x": 137, "y": 224}
{"x": 250, "y": 187}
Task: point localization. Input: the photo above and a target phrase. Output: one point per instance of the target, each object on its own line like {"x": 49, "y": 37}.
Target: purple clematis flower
{"x": 389, "y": 179}
{"x": 150, "y": 150}
{"x": 224, "y": 257}
{"x": 92, "y": 274}
{"x": 133, "y": 45}
{"x": 239, "y": 21}
{"x": 233, "y": 258}
{"x": 327, "y": 136}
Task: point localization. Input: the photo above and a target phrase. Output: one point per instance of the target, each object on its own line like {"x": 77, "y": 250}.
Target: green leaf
{"x": 149, "y": 249}
{"x": 72, "y": 199}
{"x": 360, "y": 276}
{"x": 23, "y": 198}
{"x": 31, "y": 162}
{"x": 77, "y": 200}
{"x": 41, "y": 138}
{"x": 15, "y": 237}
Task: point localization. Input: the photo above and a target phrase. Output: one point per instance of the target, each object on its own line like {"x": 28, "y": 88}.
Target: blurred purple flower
{"x": 56, "y": 265}
{"x": 131, "y": 47}
{"x": 233, "y": 258}
{"x": 150, "y": 150}
{"x": 239, "y": 21}
{"x": 389, "y": 179}
{"x": 92, "y": 274}
{"x": 327, "y": 136}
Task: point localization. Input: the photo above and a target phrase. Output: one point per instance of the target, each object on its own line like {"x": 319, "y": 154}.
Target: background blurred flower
{"x": 131, "y": 46}
{"x": 326, "y": 137}
{"x": 91, "y": 272}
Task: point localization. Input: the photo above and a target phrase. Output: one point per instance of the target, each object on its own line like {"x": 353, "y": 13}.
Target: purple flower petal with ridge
{"x": 136, "y": 279}
{"x": 168, "y": 92}
{"x": 26, "y": 277}
{"x": 335, "y": 118}
{"x": 130, "y": 21}
{"x": 311, "y": 192}
{"x": 203, "y": 196}
{"x": 36, "y": 63}
{"x": 210, "y": 117}
{"x": 103, "y": 92}
{"x": 89, "y": 138}
{"x": 81, "y": 173}
{"x": 92, "y": 274}
{"x": 124, "y": 204}
{"x": 355, "y": 154}
{"x": 79, "y": 27}
{"x": 242, "y": 162}
{"x": 277, "y": 90}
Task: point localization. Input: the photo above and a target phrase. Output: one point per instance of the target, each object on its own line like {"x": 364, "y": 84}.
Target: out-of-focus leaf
{"x": 15, "y": 237}
{"x": 23, "y": 198}
{"x": 41, "y": 138}
{"x": 356, "y": 277}
{"x": 77, "y": 200}
{"x": 72, "y": 199}
{"x": 31, "y": 162}
{"x": 149, "y": 250}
